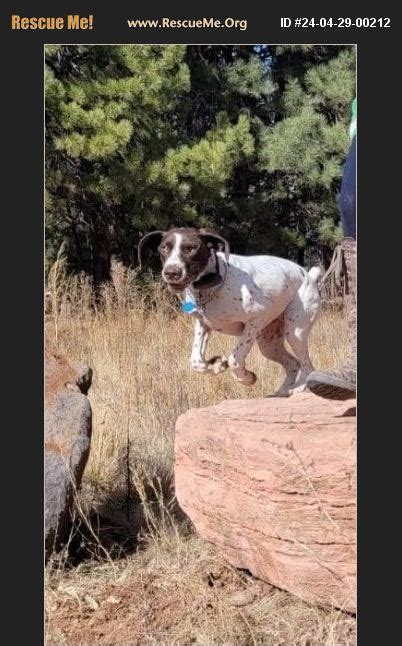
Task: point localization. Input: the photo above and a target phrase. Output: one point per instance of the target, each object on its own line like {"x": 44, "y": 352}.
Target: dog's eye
{"x": 164, "y": 248}
{"x": 189, "y": 248}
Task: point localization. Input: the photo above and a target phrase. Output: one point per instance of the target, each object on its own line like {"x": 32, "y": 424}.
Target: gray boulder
{"x": 68, "y": 428}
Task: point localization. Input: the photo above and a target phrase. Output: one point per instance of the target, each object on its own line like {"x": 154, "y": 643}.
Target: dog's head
{"x": 186, "y": 253}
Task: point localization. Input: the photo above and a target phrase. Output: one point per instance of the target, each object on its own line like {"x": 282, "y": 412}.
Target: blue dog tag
{"x": 188, "y": 307}
{"x": 190, "y": 304}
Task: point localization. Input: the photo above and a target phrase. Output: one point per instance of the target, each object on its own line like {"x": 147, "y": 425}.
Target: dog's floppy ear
{"x": 150, "y": 239}
{"x": 216, "y": 241}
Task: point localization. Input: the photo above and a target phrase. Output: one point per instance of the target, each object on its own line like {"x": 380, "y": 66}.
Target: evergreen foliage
{"x": 248, "y": 140}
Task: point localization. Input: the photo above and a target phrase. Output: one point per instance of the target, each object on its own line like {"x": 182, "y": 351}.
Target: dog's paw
{"x": 299, "y": 389}
{"x": 280, "y": 393}
{"x": 199, "y": 366}
{"x": 218, "y": 364}
{"x": 287, "y": 391}
{"x": 248, "y": 378}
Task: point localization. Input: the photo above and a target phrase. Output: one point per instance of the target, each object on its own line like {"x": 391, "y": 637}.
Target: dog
{"x": 258, "y": 299}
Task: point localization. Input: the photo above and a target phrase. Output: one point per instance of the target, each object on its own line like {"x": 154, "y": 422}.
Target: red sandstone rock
{"x": 68, "y": 428}
{"x": 272, "y": 483}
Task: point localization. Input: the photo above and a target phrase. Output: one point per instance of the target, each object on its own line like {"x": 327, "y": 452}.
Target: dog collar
{"x": 191, "y": 303}
{"x": 213, "y": 279}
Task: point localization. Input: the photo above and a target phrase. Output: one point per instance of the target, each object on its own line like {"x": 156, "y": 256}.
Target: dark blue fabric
{"x": 347, "y": 197}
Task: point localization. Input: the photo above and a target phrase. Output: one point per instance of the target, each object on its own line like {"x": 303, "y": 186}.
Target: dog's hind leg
{"x": 299, "y": 319}
{"x": 298, "y": 341}
{"x": 271, "y": 344}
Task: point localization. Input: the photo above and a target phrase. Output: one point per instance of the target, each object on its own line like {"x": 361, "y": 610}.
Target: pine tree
{"x": 249, "y": 140}
{"x": 304, "y": 150}
{"x": 110, "y": 112}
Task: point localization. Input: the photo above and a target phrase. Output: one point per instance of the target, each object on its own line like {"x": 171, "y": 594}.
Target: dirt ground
{"x": 180, "y": 591}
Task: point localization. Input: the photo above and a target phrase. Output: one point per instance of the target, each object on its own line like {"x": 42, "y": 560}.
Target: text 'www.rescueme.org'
{"x": 190, "y": 23}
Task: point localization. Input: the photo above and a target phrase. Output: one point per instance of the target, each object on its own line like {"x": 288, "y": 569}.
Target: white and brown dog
{"x": 255, "y": 298}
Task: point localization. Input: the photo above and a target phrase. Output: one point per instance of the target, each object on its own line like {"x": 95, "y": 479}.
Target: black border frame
{"x": 378, "y": 268}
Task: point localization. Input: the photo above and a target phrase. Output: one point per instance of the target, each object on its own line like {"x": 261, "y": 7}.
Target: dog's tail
{"x": 316, "y": 273}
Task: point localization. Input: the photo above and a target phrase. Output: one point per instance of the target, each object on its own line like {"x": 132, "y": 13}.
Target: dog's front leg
{"x": 200, "y": 340}
{"x": 197, "y": 360}
{"x": 237, "y": 360}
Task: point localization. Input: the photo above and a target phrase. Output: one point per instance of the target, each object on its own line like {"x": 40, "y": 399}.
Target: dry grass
{"x": 140, "y": 575}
